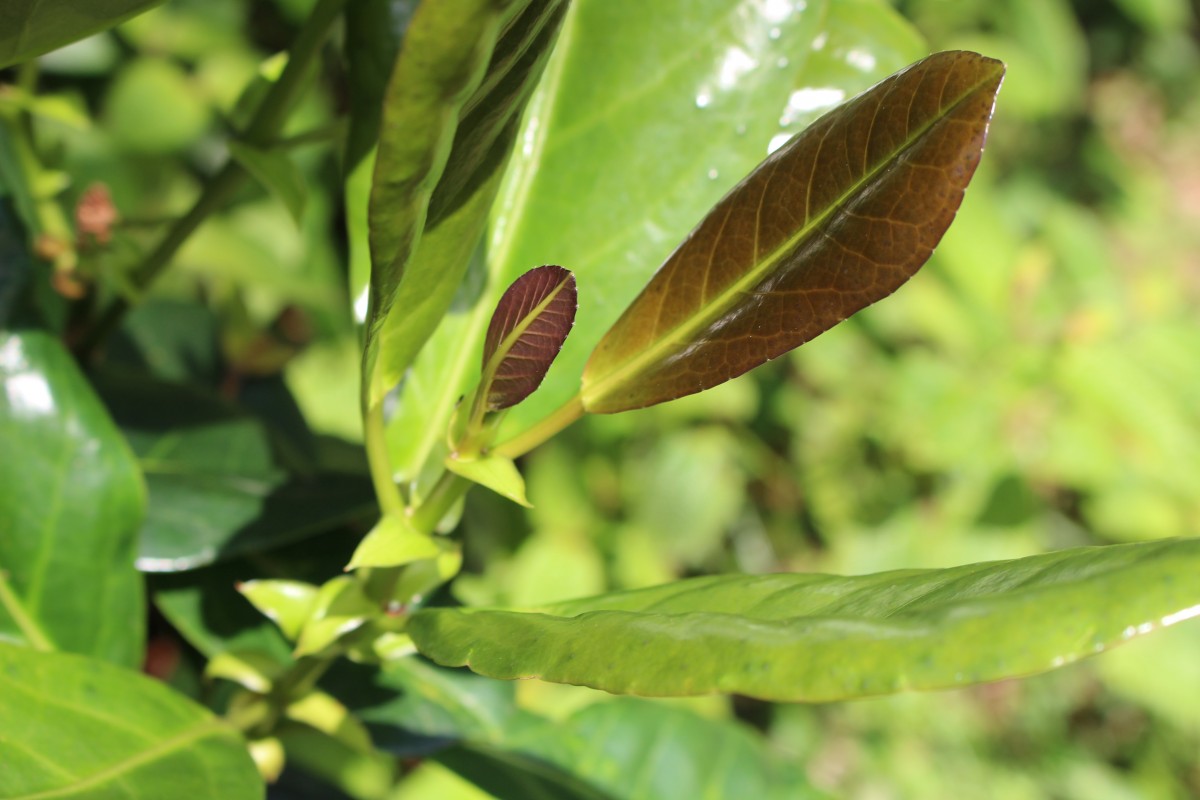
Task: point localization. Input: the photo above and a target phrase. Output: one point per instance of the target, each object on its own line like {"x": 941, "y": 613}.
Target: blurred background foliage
{"x": 1036, "y": 387}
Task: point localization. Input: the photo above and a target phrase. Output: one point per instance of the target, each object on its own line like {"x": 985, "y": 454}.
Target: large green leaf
{"x": 217, "y": 486}
{"x": 648, "y": 114}
{"x": 832, "y": 221}
{"x": 819, "y": 637}
{"x": 451, "y": 113}
{"x": 638, "y": 750}
{"x": 413, "y": 708}
{"x": 29, "y": 28}
{"x": 71, "y": 501}
{"x": 75, "y": 727}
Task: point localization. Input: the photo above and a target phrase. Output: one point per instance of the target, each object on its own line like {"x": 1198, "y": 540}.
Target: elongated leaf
{"x": 837, "y": 218}
{"x": 527, "y": 330}
{"x": 71, "y": 501}
{"x": 374, "y": 32}
{"x": 648, "y": 114}
{"x": 820, "y": 637}
{"x": 78, "y": 727}
{"x": 29, "y": 28}
{"x": 465, "y": 71}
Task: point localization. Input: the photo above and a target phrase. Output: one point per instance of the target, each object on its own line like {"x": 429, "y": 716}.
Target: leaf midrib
{"x": 665, "y": 343}
{"x": 147, "y": 756}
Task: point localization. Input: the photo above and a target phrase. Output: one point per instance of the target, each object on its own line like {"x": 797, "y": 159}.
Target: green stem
{"x": 262, "y": 130}
{"x": 442, "y": 497}
{"x": 380, "y": 463}
{"x": 522, "y": 443}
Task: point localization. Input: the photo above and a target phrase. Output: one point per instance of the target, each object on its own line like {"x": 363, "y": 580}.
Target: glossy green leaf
{"x": 450, "y": 117}
{"x": 71, "y": 501}
{"x": 275, "y": 172}
{"x": 527, "y": 330}
{"x": 393, "y": 542}
{"x": 631, "y": 748}
{"x": 205, "y": 607}
{"x": 218, "y": 487}
{"x": 339, "y": 608}
{"x": 495, "y": 472}
{"x": 832, "y": 221}
{"x": 76, "y": 727}
{"x": 286, "y": 603}
{"x": 816, "y": 637}
{"x": 624, "y": 149}
{"x": 29, "y": 28}
{"x": 250, "y": 669}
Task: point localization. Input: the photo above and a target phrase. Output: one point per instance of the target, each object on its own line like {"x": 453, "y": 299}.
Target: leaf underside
{"x": 836, "y": 219}
{"x": 527, "y": 330}
{"x": 809, "y": 637}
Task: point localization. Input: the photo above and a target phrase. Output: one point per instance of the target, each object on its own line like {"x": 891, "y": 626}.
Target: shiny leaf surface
{"x": 217, "y": 486}
{"x": 450, "y": 117}
{"x": 810, "y": 637}
{"x": 29, "y": 28}
{"x": 78, "y": 727}
{"x": 527, "y": 330}
{"x": 71, "y": 501}
{"x": 835, "y": 219}
{"x": 614, "y": 118}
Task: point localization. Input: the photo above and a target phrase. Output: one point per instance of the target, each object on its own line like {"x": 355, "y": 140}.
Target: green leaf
{"x": 276, "y": 173}
{"x": 633, "y": 748}
{"x": 71, "y": 500}
{"x": 809, "y": 637}
{"x": 835, "y": 219}
{"x": 339, "y": 608}
{"x": 78, "y": 727}
{"x": 450, "y": 117}
{"x": 29, "y": 28}
{"x": 252, "y": 669}
{"x": 508, "y": 775}
{"x": 286, "y": 603}
{"x": 393, "y": 542}
{"x": 374, "y": 32}
{"x": 495, "y": 472}
{"x": 413, "y": 707}
{"x": 218, "y": 487}
{"x": 364, "y": 775}
{"x": 618, "y": 161}
{"x": 206, "y": 609}
{"x": 527, "y": 330}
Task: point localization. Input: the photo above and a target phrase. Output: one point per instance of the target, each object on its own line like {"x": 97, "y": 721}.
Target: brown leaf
{"x": 527, "y": 330}
{"x": 837, "y": 218}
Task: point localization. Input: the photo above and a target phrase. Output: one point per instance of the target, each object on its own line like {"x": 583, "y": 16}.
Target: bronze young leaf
{"x": 527, "y": 330}
{"x": 837, "y": 218}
